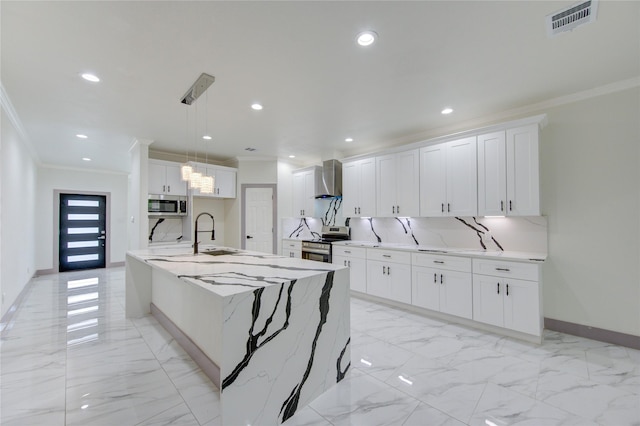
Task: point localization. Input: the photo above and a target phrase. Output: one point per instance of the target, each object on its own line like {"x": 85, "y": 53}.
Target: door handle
{"x": 249, "y": 237}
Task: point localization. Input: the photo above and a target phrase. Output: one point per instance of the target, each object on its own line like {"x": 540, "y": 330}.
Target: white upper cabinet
{"x": 398, "y": 184}
{"x": 359, "y": 188}
{"x": 448, "y": 181}
{"x": 304, "y": 187}
{"x": 224, "y": 180}
{"x": 165, "y": 178}
{"x": 523, "y": 176}
{"x": 508, "y": 176}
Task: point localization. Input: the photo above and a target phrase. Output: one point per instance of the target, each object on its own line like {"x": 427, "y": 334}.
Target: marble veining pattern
{"x": 72, "y": 358}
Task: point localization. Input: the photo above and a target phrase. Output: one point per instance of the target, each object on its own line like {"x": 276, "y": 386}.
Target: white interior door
{"x": 259, "y": 219}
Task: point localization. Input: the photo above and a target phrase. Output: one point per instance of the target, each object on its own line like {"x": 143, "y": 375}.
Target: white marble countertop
{"x": 519, "y": 256}
{"x": 229, "y": 274}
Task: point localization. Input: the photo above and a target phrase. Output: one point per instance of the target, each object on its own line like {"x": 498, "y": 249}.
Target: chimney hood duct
{"x": 330, "y": 183}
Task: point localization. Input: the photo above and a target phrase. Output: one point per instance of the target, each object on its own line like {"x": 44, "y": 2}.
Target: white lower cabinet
{"x": 504, "y": 298}
{"x": 292, "y": 248}
{"x": 442, "y": 283}
{"x": 356, "y": 259}
{"x": 389, "y": 274}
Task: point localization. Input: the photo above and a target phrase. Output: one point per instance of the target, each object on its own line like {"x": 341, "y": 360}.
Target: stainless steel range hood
{"x": 330, "y": 184}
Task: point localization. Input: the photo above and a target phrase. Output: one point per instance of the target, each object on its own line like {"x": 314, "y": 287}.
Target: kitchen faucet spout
{"x": 213, "y": 231}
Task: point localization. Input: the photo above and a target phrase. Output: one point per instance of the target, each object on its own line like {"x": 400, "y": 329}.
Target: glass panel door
{"x": 83, "y": 233}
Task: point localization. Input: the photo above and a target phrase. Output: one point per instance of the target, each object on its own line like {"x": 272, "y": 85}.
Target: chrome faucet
{"x": 195, "y": 236}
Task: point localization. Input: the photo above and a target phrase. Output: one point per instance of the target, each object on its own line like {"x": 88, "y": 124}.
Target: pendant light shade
{"x": 195, "y": 180}
{"x": 206, "y": 185}
{"x": 186, "y": 170}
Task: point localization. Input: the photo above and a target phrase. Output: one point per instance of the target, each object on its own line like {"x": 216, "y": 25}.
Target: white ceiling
{"x": 299, "y": 59}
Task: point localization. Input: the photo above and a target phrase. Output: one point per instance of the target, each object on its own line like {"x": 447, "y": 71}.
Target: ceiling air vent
{"x": 571, "y": 17}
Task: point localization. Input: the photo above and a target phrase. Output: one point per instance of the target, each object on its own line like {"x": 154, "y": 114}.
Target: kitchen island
{"x": 271, "y": 332}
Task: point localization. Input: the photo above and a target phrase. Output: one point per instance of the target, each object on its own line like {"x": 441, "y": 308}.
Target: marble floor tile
{"x": 70, "y": 357}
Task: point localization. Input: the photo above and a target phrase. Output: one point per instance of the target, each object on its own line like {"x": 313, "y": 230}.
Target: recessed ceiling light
{"x": 86, "y": 159}
{"x": 206, "y": 137}
{"x": 348, "y": 140}
{"x": 292, "y": 156}
{"x": 257, "y": 107}
{"x": 447, "y": 110}
{"x": 82, "y": 136}
{"x": 366, "y": 38}
{"x": 90, "y": 77}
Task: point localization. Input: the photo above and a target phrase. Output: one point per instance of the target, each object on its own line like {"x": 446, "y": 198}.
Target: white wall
{"x": 78, "y": 181}
{"x": 18, "y": 176}
{"x": 590, "y": 190}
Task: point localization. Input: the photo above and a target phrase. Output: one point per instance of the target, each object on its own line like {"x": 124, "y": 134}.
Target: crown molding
{"x": 7, "y": 105}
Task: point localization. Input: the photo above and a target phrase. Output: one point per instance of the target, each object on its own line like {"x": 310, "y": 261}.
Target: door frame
{"x": 274, "y": 205}
{"x": 56, "y": 224}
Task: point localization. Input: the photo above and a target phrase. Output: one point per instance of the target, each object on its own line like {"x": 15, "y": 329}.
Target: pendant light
{"x": 185, "y": 168}
{"x": 206, "y": 183}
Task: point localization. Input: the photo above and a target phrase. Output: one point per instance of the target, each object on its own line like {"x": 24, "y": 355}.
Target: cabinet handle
{"x": 168, "y": 188}
{"x": 438, "y": 261}
{"x": 498, "y": 288}
{"x": 448, "y": 208}
{"x": 358, "y": 210}
{"x": 348, "y": 251}
{"x": 388, "y": 270}
{"x": 440, "y": 278}
{"x": 510, "y": 207}
{"x": 163, "y": 188}
{"x": 501, "y": 205}
{"x": 442, "y": 205}
{"x": 344, "y": 263}
{"x": 398, "y": 209}
{"x": 386, "y": 255}
{"x": 384, "y": 270}
{"x": 503, "y": 269}
{"x": 349, "y": 262}
{"x": 435, "y": 278}
{"x": 355, "y": 210}
{"x": 507, "y": 289}
{"x": 393, "y": 209}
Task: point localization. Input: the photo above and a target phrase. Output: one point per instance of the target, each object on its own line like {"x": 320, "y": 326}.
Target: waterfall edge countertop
{"x": 236, "y": 271}
{"x": 271, "y": 332}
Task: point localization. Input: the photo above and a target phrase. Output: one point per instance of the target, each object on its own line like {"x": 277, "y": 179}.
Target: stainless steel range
{"x": 320, "y": 249}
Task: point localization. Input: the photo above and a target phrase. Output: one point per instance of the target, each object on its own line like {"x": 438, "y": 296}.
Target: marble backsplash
{"x": 528, "y": 234}
{"x": 165, "y": 229}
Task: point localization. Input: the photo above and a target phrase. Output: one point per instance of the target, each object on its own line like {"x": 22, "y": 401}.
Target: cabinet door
{"x": 462, "y": 180}
{"x": 432, "y": 181}
{"x": 523, "y": 184}
{"x": 456, "y": 294}
{"x": 298, "y": 194}
{"x": 225, "y": 183}
{"x": 492, "y": 178}
{"x": 399, "y": 276}
{"x": 408, "y": 183}
{"x": 425, "y": 286}
{"x": 386, "y": 184}
{"x": 350, "y": 188}
{"x": 357, "y": 271}
{"x": 309, "y": 193}
{"x": 175, "y": 184}
{"x": 367, "y": 190}
{"x": 377, "y": 279}
{"x": 157, "y": 178}
{"x": 522, "y": 306}
{"x": 488, "y": 293}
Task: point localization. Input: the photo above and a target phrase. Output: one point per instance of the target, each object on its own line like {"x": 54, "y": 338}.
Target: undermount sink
{"x": 218, "y": 252}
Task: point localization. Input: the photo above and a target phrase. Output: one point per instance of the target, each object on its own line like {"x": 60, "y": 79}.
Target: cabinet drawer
{"x": 389, "y": 256}
{"x": 357, "y": 252}
{"x": 450, "y": 263}
{"x": 292, "y": 244}
{"x": 500, "y": 268}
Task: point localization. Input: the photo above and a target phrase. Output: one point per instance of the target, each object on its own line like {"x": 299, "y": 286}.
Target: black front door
{"x": 83, "y": 232}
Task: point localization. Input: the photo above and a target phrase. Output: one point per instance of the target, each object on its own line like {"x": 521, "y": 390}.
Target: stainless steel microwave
{"x": 167, "y": 205}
